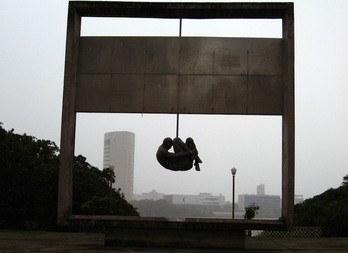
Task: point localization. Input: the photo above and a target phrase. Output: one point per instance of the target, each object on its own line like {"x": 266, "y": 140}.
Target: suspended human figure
{"x": 183, "y": 157}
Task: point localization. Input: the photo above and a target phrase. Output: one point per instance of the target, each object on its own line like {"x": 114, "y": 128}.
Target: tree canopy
{"x": 328, "y": 210}
{"x": 29, "y": 183}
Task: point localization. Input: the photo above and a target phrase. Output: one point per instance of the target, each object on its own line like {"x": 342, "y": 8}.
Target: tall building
{"x": 119, "y": 152}
{"x": 260, "y": 189}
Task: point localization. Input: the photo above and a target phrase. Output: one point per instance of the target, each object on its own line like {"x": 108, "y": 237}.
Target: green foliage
{"x": 28, "y": 178}
{"x": 328, "y": 210}
{"x": 108, "y": 206}
{"x": 88, "y": 182}
{"x": 251, "y": 211}
{"x": 29, "y": 170}
{"x": 345, "y": 180}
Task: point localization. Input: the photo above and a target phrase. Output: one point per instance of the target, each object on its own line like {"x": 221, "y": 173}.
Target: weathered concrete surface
{"x": 284, "y": 11}
{"x": 24, "y": 241}
{"x": 178, "y": 223}
{"x": 176, "y": 238}
{"x": 191, "y": 233}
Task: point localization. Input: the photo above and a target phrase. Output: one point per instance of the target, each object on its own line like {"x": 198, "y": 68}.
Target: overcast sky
{"x": 32, "y": 51}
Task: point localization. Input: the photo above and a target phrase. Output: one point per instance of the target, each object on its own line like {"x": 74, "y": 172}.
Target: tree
{"x": 345, "y": 180}
{"x": 114, "y": 205}
{"x": 28, "y": 178}
{"x": 29, "y": 169}
{"x": 251, "y": 211}
{"x": 328, "y": 210}
{"x": 91, "y": 191}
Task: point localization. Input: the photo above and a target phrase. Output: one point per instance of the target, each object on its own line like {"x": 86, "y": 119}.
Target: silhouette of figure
{"x": 183, "y": 156}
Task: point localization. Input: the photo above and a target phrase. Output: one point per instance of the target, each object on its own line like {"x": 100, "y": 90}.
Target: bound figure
{"x": 185, "y": 154}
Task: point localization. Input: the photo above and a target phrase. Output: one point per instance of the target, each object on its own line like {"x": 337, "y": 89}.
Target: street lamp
{"x": 233, "y": 171}
{"x": 111, "y": 168}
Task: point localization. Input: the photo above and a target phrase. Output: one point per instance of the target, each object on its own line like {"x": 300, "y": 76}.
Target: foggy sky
{"x": 32, "y": 48}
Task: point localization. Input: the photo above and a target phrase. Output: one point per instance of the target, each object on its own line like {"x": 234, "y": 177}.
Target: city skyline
{"x": 155, "y": 195}
{"x": 269, "y": 205}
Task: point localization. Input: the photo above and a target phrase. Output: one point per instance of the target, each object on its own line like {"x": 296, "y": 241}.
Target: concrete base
{"x": 176, "y": 232}
{"x": 175, "y": 238}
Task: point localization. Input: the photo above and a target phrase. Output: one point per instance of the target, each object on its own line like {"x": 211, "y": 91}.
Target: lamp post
{"x": 233, "y": 171}
{"x": 111, "y": 168}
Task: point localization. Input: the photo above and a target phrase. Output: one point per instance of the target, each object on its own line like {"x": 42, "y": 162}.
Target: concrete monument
{"x": 179, "y": 75}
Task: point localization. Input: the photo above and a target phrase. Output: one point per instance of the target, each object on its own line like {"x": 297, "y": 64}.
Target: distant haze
{"x": 32, "y": 59}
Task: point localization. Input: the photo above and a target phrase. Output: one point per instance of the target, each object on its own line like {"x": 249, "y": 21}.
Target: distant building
{"x": 119, "y": 152}
{"x": 206, "y": 199}
{"x": 270, "y": 206}
{"x": 153, "y": 195}
{"x": 298, "y": 199}
{"x": 137, "y": 197}
{"x": 260, "y": 189}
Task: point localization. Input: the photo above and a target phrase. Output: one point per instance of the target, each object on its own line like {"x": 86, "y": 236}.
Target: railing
{"x": 296, "y": 232}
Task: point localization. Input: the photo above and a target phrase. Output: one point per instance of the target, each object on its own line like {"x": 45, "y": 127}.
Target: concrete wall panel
{"x": 230, "y": 92}
{"x": 161, "y": 74}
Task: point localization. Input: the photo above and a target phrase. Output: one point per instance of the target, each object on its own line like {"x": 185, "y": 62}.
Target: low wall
{"x": 176, "y": 232}
{"x": 176, "y": 238}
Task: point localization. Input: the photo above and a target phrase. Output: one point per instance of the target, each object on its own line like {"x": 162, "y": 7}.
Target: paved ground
{"x": 37, "y": 241}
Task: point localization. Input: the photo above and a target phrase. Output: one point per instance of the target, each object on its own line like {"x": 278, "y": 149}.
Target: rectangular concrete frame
{"x": 77, "y": 10}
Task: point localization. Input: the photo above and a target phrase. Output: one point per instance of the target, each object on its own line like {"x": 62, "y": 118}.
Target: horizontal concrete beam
{"x": 181, "y": 10}
{"x": 180, "y": 223}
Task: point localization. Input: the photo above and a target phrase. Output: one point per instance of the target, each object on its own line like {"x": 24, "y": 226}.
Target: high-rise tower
{"x": 260, "y": 189}
{"x": 119, "y": 152}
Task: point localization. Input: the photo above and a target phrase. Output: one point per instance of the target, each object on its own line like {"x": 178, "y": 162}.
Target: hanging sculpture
{"x": 183, "y": 158}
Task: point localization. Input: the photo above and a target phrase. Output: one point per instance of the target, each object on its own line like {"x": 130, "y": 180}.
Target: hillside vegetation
{"x": 328, "y": 210}
{"x": 29, "y": 170}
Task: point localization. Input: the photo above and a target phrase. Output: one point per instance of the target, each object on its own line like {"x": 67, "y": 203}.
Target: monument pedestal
{"x": 176, "y": 232}
{"x": 176, "y": 238}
